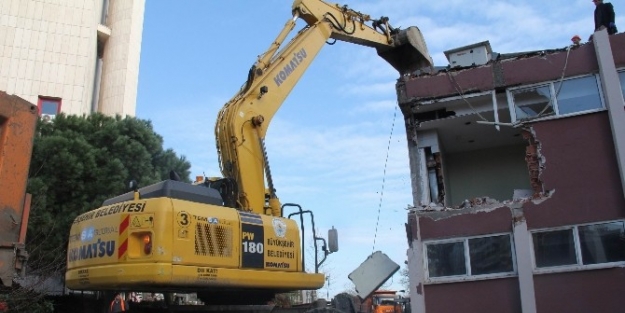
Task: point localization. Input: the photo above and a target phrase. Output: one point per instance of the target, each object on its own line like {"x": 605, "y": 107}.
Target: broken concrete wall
{"x": 460, "y": 158}
{"x": 570, "y": 167}
{"x": 424, "y": 164}
{"x": 464, "y": 222}
{"x": 577, "y": 164}
{"x": 580, "y": 165}
{"x": 507, "y": 73}
{"x": 415, "y": 94}
{"x": 534, "y": 160}
{"x": 440, "y": 85}
{"x": 577, "y": 168}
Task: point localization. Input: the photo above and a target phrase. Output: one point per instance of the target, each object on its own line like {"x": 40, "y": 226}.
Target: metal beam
{"x": 613, "y": 97}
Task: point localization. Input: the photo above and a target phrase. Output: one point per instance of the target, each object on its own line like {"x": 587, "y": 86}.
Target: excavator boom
{"x": 242, "y": 123}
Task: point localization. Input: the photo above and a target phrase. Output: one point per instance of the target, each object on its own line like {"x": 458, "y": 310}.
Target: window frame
{"x": 41, "y": 99}
{"x": 579, "y": 266}
{"x": 554, "y": 101}
{"x": 467, "y": 260}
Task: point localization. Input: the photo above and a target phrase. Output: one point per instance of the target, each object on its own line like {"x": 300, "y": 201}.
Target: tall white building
{"x": 72, "y": 56}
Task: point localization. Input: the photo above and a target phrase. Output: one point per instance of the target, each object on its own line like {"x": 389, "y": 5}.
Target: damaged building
{"x": 517, "y": 164}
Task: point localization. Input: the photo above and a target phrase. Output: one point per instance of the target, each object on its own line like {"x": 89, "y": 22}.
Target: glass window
{"x": 578, "y": 95}
{"x": 49, "y": 107}
{"x": 446, "y": 259}
{"x": 485, "y": 255}
{"x": 602, "y": 243}
{"x": 554, "y": 248}
{"x": 571, "y": 95}
{"x": 532, "y": 102}
{"x": 595, "y": 244}
{"x": 490, "y": 255}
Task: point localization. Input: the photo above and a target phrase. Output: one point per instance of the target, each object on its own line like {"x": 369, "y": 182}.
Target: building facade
{"x": 72, "y": 56}
{"x": 518, "y": 182}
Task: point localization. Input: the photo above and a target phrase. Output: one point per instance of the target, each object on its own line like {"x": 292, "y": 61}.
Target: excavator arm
{"x": 242, "y": 122}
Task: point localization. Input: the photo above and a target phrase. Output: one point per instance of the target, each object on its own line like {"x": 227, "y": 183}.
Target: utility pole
{"x": 328, "y": 287}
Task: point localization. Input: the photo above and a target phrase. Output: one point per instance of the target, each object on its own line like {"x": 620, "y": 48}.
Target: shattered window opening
{"x": 470, "y": 257}
{"x": 532, "y": 102}
{"x": 572, "y": 95}
{"x": 580, "y": 245}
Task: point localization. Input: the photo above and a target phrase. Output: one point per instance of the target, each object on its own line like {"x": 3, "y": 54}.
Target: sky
{"x": 337, "y": 146}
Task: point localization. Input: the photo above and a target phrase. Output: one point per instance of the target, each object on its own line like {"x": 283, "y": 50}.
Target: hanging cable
{"x": 550, "y": 102}
{"x": 388, "y": 148}
{"x": 336, "y": 24}
{"x": 461, "y": 93}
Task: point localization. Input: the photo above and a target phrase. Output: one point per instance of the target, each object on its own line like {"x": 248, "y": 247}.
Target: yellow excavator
{"x": 229, "y": 239}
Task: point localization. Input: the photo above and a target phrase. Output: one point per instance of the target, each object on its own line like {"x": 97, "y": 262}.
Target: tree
{"x": 405, "y": 278}
{"x": 77, "y": 163}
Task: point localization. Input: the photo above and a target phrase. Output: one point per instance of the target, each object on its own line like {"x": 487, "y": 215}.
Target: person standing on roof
{"x": 604, "y": 16}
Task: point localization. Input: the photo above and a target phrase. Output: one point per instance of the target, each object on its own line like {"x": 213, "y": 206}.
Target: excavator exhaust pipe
{"x": 408, "y": 52}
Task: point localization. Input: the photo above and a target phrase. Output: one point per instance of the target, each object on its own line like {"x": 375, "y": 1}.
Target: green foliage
{"x": 77, "y": 163}
{"x": 23, "y": 300}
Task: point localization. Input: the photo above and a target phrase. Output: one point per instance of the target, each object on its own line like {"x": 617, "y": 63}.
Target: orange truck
{"x": 18, "y": 119}
{"x": 383, "y": 301}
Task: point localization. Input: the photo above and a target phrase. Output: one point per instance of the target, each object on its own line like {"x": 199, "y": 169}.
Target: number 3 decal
{"x": 183, "y": 218}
